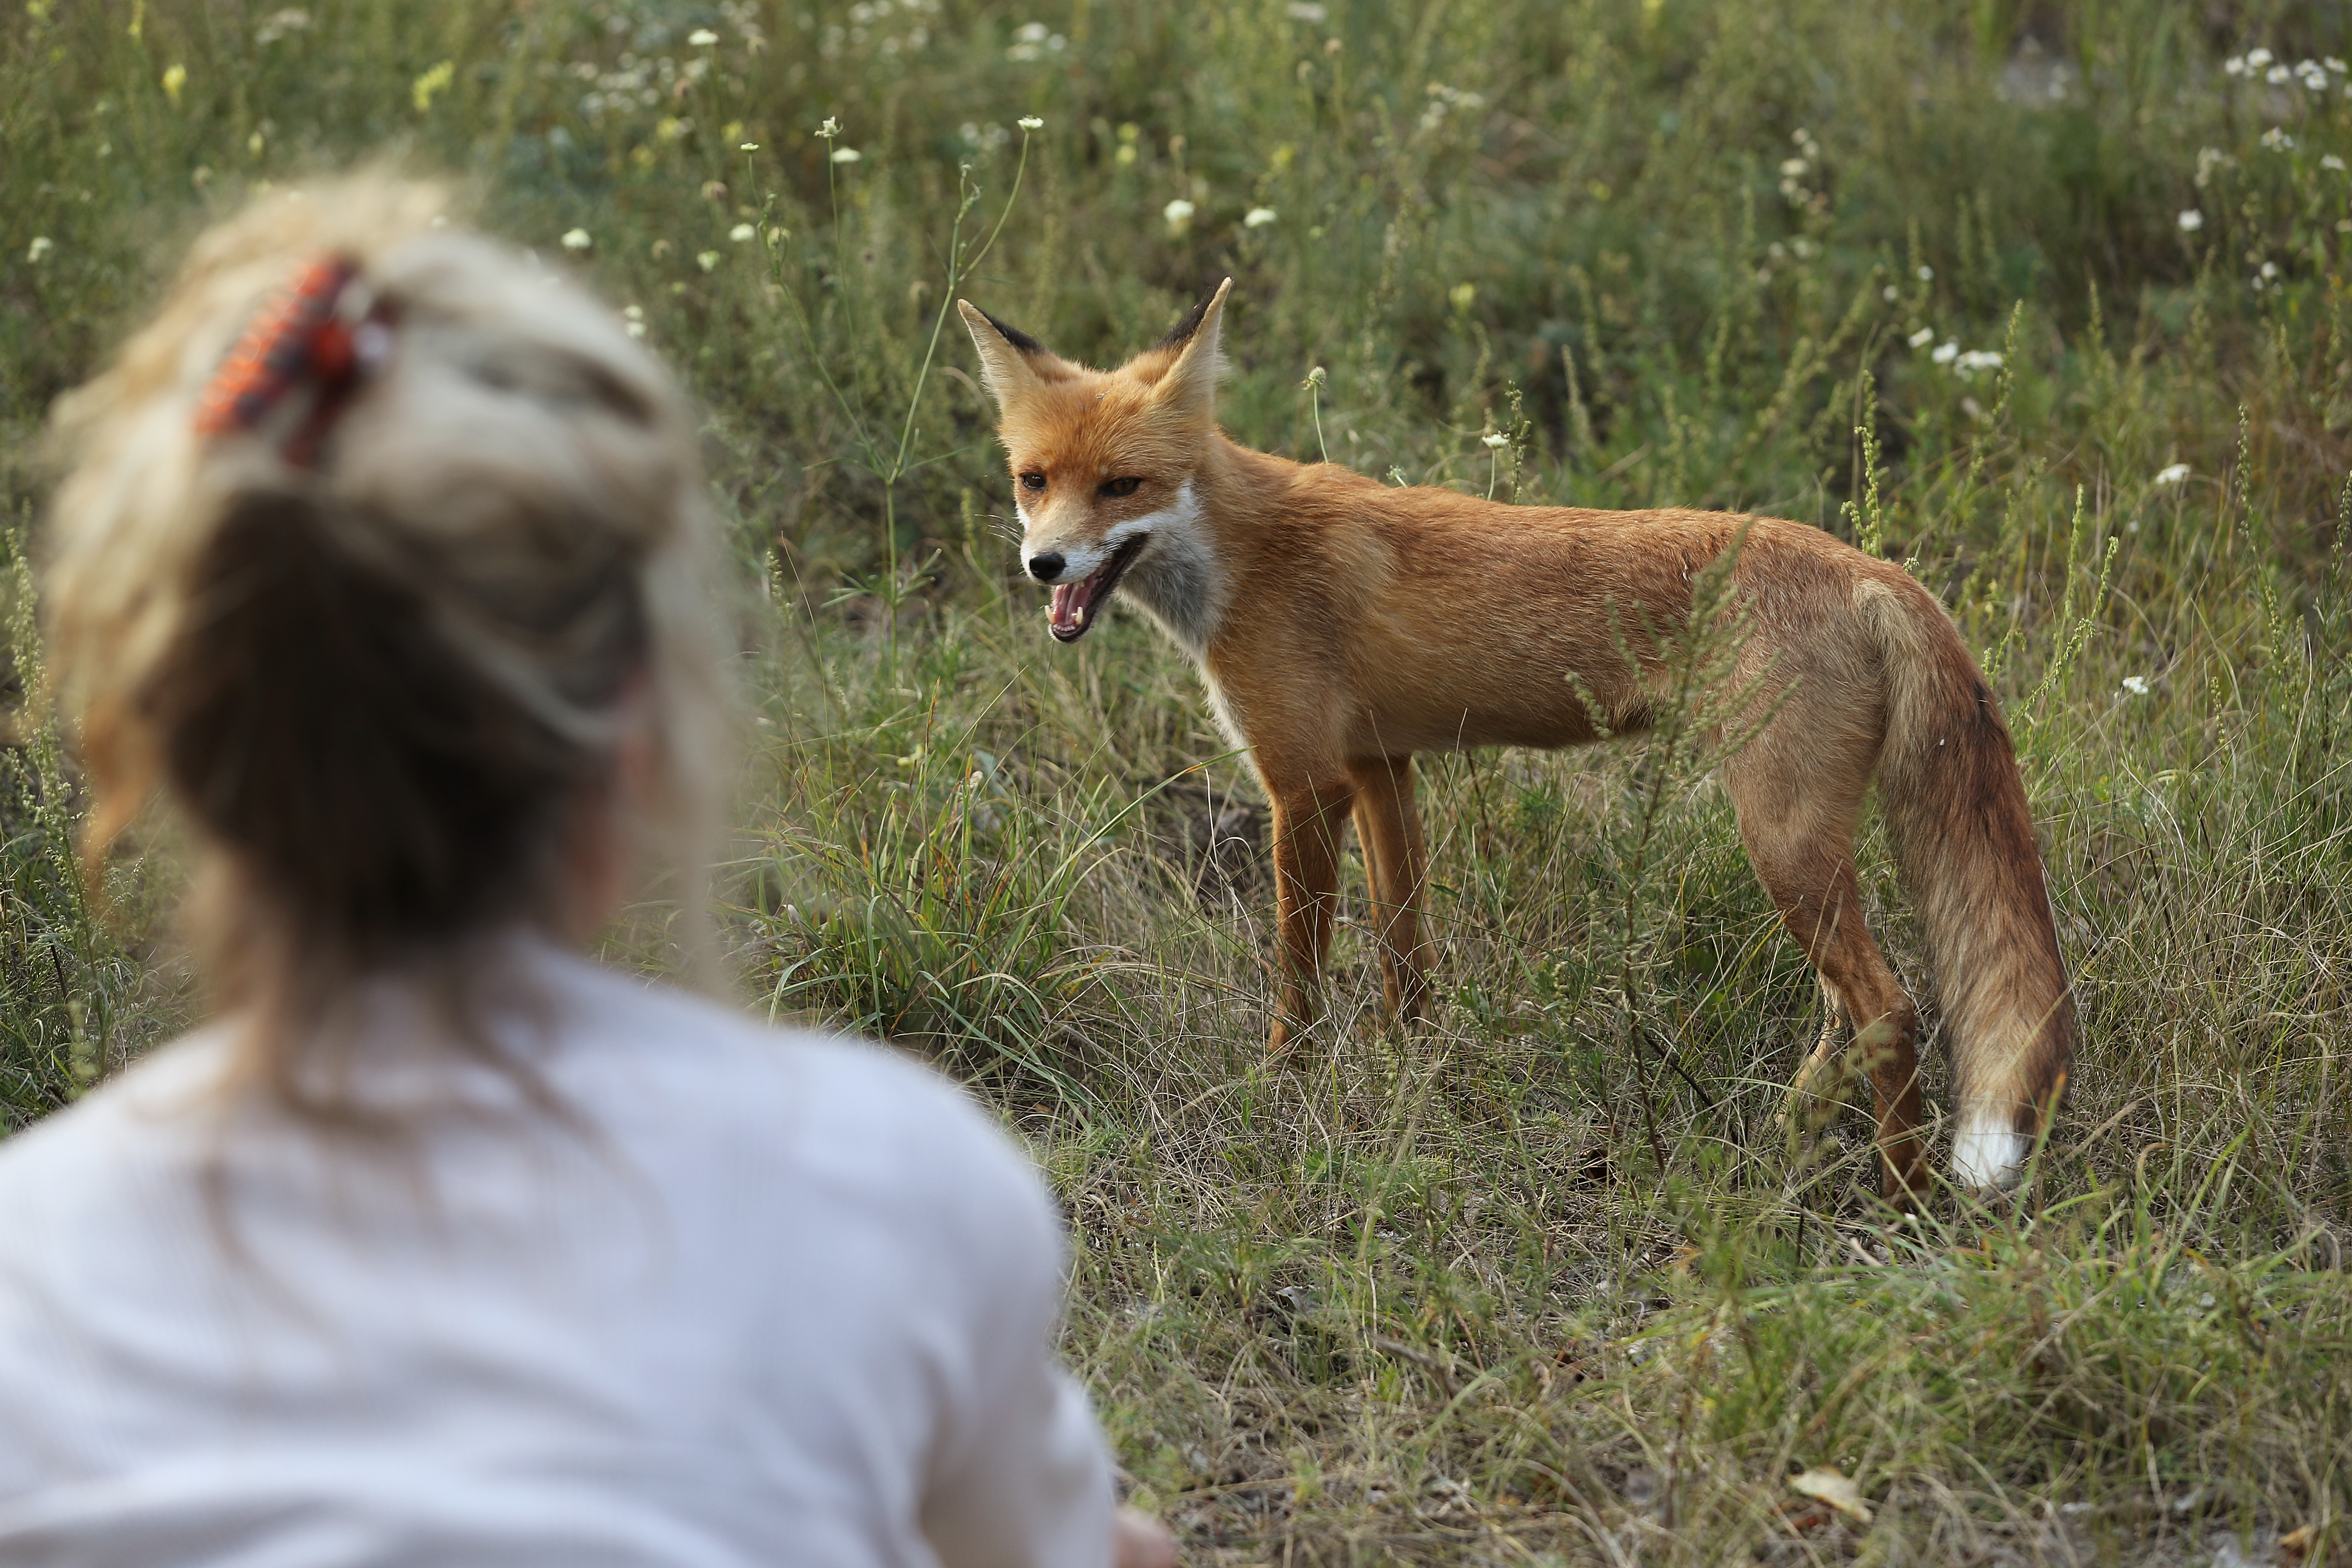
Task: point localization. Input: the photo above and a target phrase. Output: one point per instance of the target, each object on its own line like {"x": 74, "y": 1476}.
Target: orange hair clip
{"x": 301, "y": 335}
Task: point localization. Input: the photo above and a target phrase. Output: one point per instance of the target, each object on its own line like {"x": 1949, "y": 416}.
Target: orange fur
{"x": 1343, "y": 625}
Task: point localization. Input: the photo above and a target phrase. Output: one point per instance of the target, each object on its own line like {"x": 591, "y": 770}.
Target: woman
{"x": 384, "y": 559}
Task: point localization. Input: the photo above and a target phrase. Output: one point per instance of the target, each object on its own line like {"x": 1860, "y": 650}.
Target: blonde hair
{"x": 381, "y": 684}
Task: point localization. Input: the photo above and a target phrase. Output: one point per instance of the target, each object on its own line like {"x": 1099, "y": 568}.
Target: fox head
{"x": 1103, "y": 464}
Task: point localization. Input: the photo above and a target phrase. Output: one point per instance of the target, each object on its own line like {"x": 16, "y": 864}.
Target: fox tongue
{"x": 1069, "y": 612}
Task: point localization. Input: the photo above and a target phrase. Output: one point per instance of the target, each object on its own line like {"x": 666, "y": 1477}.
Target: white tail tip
{"x": 1988, "y": 1155}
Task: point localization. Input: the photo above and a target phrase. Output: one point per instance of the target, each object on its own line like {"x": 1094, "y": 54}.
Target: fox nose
{"x": 1046, "y": 568}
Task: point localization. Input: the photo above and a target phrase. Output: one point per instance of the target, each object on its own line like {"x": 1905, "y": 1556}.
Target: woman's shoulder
{"x": 132, "y": 1112}
{"x": 676, "y": 1078}
{"x": 650, "y": 1028}
{"x": 838, "y": 1110}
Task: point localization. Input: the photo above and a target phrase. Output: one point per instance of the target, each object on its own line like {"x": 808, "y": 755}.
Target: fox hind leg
{"x": 1815, "y": 1093}
{"x": 1797, "y": 818}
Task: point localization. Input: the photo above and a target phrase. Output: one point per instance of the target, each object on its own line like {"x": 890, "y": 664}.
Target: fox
{"x": 1342, "y": 625}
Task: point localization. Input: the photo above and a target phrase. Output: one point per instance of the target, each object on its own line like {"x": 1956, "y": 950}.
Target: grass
{"x": 1543, "y": 1282}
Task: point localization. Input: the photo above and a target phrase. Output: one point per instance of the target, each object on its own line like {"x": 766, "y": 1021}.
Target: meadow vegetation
{"x": 2047, "y": 301}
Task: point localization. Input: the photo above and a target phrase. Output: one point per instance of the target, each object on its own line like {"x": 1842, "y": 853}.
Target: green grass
{"x": 1542, "y": 1282}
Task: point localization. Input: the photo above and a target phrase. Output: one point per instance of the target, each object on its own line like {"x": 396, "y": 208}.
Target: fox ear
{"x": 1190, "y": 383}
{"x": 1004, "y": 356}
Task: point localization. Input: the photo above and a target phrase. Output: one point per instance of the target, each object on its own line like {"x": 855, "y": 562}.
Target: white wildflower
{"x": 1890, "y": 293}
{"x": 830, "y": 129}
{"x": 1030, "y": 122}
{"x": 742, "y": 232}
{"x": 2330, "y": 161}
{"x": 293, "y": 20}
{"x": 2172, "y": 473}
{"x": 2234, "y": 65}
{"x": 1791, "y": 168}
{"x": 1258, "y": 217}
{"x": 2277, "y": 75}
{"x": 1926, "y": 274}
{"x": 1975, "y": 359}
{"x": 38, "y": 251}
{"x": 702, "y": 38}
{"x": 2334, "y": 64}
{"x": 2277, "y": 139}
{"x": 1495, "y": 440}
{"x": 1922, "y": 338}
{"x": 1033, "y": 41}
{"x": 1178, "y": 211}
{"x": 2257, "y": 59}
{"x": 748, "y": 147}
{"x": 2270, "y": 269}
{"x": 576, "y": 239}
{"x": 1946, "y": 353}
{"x": 2134, "y": 686}
{"x": 1306, "y": 11}
{"x": 2190, "y": 221}
{"x": 847, "y": 154}
{"x": 706, "y": 261}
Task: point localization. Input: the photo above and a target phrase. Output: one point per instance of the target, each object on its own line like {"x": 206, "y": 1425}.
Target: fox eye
{"x": 1120, "y": 487}
{"x": 1033, "y": 481}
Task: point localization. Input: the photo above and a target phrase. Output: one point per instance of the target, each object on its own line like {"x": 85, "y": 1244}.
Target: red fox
{"x": 1341, "y": 625}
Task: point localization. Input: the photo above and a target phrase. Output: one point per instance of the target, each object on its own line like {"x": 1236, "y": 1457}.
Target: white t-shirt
{"x": 756, "y": 1298}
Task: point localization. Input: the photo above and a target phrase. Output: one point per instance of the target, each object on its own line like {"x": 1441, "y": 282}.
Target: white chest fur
{"x": 1177, "y": 579}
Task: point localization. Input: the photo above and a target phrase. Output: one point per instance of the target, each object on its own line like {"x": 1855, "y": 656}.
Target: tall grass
{"x": 1544, "y": 1281}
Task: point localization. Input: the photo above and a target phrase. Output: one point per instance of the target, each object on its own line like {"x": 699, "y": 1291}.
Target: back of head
{"x": 381, "y": 628}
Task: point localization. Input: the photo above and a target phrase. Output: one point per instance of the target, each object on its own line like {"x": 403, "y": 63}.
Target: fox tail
{"x": 1951, "y": 792}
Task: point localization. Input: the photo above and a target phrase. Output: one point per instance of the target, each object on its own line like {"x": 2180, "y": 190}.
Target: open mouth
{"x": 1077, "y": 605}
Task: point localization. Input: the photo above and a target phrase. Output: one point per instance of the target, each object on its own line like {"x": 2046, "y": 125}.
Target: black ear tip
{"x": 1013, "y": 335}
{"x": 1181, "y": 333}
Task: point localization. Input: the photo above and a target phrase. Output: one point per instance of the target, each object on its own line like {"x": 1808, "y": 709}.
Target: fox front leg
{"x": 1396, "y": 864}
{"x": 1307, "y": 819}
